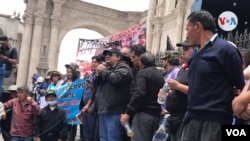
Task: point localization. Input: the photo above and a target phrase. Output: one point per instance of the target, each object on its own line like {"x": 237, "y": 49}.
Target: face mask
{"x": 52, "y": 103}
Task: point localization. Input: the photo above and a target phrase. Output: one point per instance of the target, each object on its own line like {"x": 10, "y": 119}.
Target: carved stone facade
{"x": 46, "y": 22}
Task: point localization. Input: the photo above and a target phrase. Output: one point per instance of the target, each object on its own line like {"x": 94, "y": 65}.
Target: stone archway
{"x": 46, "y": 22}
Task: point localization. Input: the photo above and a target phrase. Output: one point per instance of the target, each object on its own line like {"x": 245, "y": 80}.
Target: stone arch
{"x": 46, "y": 22}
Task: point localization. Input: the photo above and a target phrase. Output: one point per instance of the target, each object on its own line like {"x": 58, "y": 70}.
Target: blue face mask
{"x": 52, "y": 103}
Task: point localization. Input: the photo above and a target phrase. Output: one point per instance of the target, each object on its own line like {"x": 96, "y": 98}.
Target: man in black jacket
{"x": 51, "y": 124}
{"x": 113, "y": 94}
{"x": 143, "y": 102}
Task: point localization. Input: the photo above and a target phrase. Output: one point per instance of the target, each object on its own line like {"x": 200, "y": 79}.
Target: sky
{"x": 67, "y": 54}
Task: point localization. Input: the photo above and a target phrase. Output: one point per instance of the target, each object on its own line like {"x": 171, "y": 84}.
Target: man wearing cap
{"x": 51, "y": 124}
{"x": 24, "y": 111}
{"x": 8, "y": 55}
{"x": 113, "y": 95}
{"x": 176, "y": 103}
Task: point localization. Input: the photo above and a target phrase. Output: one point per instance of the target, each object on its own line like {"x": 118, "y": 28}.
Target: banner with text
{"x": 135, "y": 35}
{"x": 69, "y": 98}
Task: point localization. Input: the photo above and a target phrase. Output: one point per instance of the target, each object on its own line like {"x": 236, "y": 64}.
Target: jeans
{"x": 89, "y": 125}
{"x": 110, "y": 128}
{"x": 22, "y": 139}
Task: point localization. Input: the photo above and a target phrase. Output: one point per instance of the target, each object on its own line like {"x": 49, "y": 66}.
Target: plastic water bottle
{"x": 162, "y": 98}
{"x": 161, "y": 134}
{"x": 128, "y": 129}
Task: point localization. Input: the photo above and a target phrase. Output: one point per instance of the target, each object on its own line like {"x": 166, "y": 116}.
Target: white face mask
{"x": 52, "y": 103}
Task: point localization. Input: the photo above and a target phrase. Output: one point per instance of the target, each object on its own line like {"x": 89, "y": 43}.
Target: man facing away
{"x": 143, "y": 103}
{"x": 215, "y": 68}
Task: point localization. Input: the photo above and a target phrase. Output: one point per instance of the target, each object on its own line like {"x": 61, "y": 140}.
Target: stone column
{"x": 24, "y": 57}
{"x": 53, "y": 44}
{"x": 181, "y": 20}
{"x": 150, "y": 17}
{"x": 157, "y": 36}
{"x": 36, "y": 44}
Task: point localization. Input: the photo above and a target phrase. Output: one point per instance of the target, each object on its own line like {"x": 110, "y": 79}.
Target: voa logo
{"x": 227, "y": 21}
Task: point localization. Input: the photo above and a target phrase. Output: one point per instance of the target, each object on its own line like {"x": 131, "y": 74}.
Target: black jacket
{"x": 51, "y": 125}
{"x": 148, "y": 82}
{"x": 114, "y": 90}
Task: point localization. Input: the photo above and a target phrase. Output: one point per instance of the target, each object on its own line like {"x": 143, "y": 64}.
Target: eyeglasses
{"x": 54, "y": 75}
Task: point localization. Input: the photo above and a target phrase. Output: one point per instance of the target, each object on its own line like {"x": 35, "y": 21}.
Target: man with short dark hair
{"x": 215, "y": 68}
{"x": 8, "y": 55}
{"x": 24, "y": 111}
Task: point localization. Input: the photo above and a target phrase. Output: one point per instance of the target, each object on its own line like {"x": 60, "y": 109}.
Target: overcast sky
{"x": 67, "y": 54}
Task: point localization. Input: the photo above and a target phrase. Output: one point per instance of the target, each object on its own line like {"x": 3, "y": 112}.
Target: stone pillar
{"x": 150, "y": 17}
{"x": 24, "y": 57}
{"x": 180, "y": 24}
{"x": 157, "y": 36}
{"x": 53, "y": 44}
{"x": 36, "y": 44}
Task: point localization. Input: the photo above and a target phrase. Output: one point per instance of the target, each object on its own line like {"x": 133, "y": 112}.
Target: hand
{"x": 37, "y": 139}
{"x": 3, "y": 115}
{"x": 124, "y": 118}
{"x": 236, "y": 91}
{"x": 161, "y": 93}
{"x": 238, "y": 105}
{"x": 60, "y": 139}
{"x": 173, "y": 84}
{"x": 3, "y": 57}
{"x": 164, "y": 112}
{"x": 85, "y": 108}
{"x": 29, "y": 99}
{"x": 90, "y": 111}
{"x": 246, "y": 113}
{"x": 100, "y": 68}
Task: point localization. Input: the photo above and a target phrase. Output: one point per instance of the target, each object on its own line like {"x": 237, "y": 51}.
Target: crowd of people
{"x": 208, "y": 86}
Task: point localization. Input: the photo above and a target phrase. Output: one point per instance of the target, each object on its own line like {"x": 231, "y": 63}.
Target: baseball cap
{"x": 40, "y": 79}
{"x": 3, "y": 38}
{"x": 185, "y": 43}
{"x": 50, "y": 92}
{"x": 35, "y": 76}
{"x": 127, "y": 58}
{"x": 112, "y": 50}
{"x": 169, "y": 53}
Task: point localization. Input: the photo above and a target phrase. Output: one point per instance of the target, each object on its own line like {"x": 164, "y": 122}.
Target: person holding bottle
{"x": 176, "y": 101}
